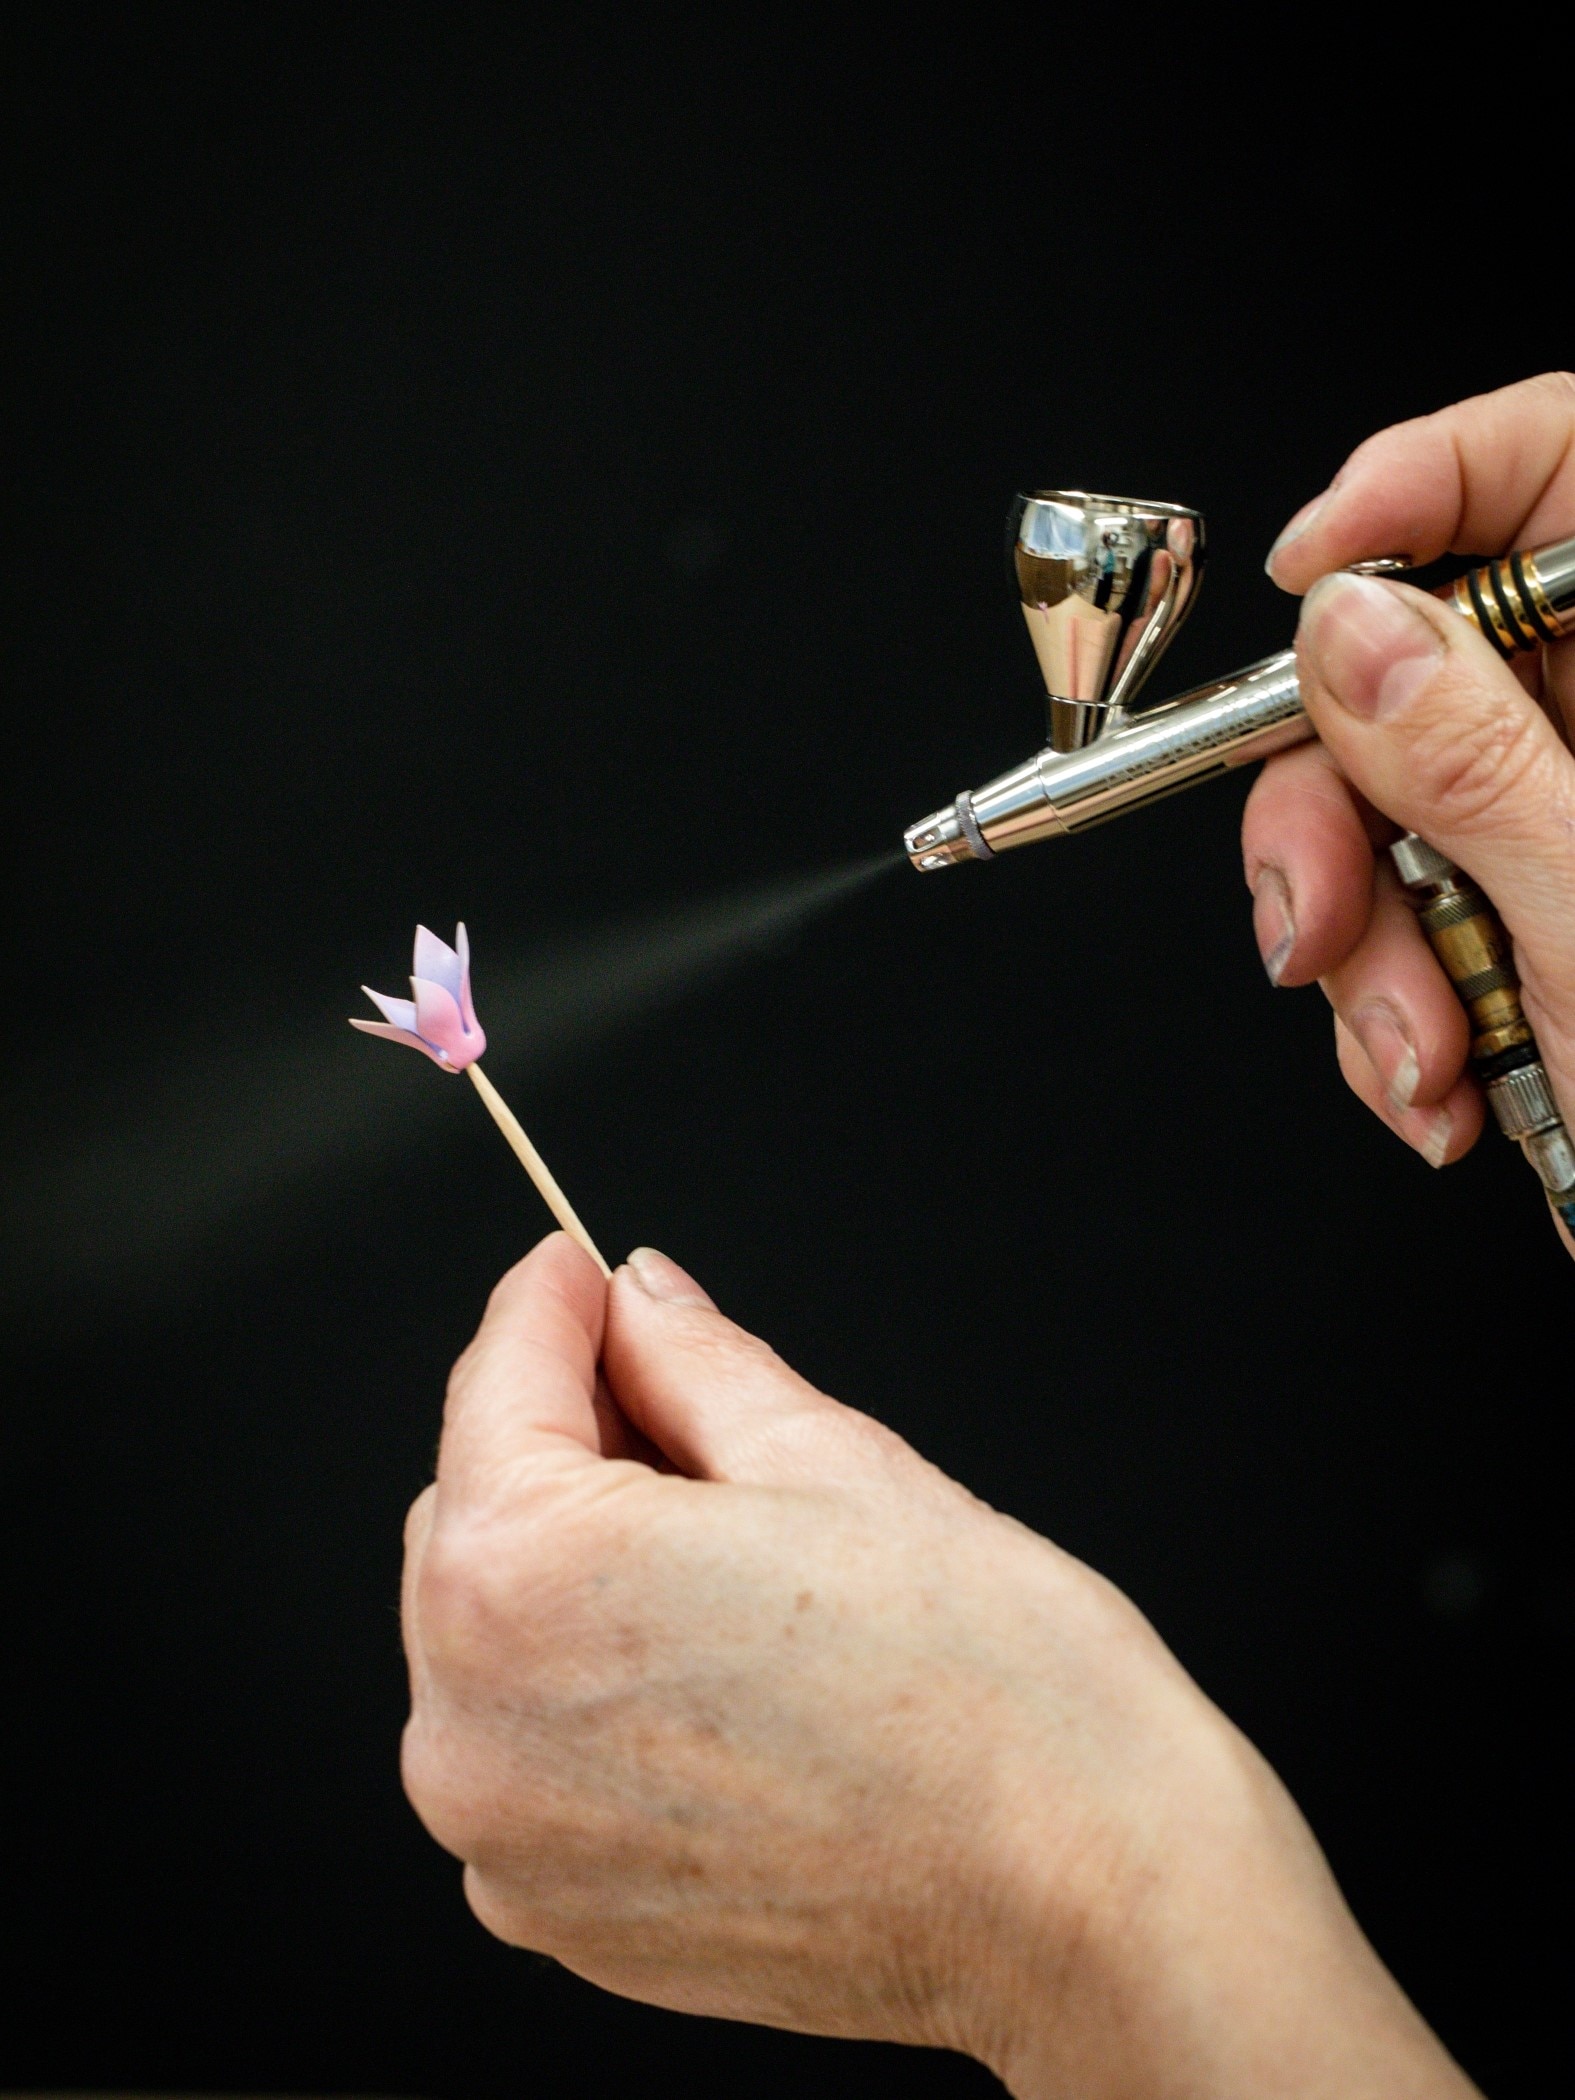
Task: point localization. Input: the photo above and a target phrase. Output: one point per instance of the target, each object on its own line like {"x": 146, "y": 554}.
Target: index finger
{"x": 1494, "y": 472}
{"x": 526, "y": 1386}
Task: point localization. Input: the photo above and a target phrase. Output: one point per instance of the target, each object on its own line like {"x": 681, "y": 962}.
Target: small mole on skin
{"x": 803, "y": 1600}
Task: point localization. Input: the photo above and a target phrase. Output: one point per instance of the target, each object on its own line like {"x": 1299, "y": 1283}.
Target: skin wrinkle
{"x": 1480, "y": 774}
{"x": 1462, "y": 540}
{"x": 1336, "y": 887}
{"x": 778, "y": 1905}
{"x": 1558, "y": 383}
{"x": 1406, "y": 458}
{"x": 1480, "y": 777}
{"x": 973, "y": 1783}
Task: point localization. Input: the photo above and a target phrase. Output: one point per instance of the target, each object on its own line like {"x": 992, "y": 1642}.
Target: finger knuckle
{"x": 1298, "y": 793}
{"x": 462, "y": 1375}
{"x": 452, "y": 1779}
{"x": 1376, "y": 442}
{"x": 863, "y": 1434}
{"x": 1559, "y": 383}
{"x": 1481, "y": 767}
{"x": 732, "y": 1356}
{"x": 1355, "y": 1066}
{"x": 826, "y": 1437}
{"x": 469, "y": 1601}
{"x": 717, "y": 1341}
{"x": 418, "y": 1518}
{"x": 435, "y": 1774}
{"x": 1262, "y": 823}
{"x": 512, "y": 1287}
{"x": 504, "y": 1604}
{"x": 496, "y": 1905}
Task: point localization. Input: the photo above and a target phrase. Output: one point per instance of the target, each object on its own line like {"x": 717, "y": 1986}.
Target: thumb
{"x": 1435, "y": 730}
{"x": 720, "y": 1403}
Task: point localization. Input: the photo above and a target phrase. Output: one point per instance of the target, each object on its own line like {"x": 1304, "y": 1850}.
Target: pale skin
{"x": 730, "y": 1701}
{"x": 1423, "y": 728}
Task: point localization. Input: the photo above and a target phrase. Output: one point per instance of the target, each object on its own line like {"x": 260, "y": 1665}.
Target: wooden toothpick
{"x": 439, "y": 1020}
{"x": 535, "y": 1166}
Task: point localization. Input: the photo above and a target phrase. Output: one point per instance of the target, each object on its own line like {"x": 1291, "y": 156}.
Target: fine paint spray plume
{"x": 234, "y": 1144}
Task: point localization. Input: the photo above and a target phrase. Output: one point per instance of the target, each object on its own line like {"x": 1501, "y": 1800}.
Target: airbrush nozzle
{"x": 938, "y": 840}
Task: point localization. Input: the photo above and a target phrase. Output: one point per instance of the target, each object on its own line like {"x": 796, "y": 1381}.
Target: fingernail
{"x": 661, "y": 1278}
{"x": 1368, "y": 643}
{"x": 1383, "y": 1035}
{"x": 1440, "y": 1128}
{"x": 1273, "y": 921}
{"x": 1297, "y": 527}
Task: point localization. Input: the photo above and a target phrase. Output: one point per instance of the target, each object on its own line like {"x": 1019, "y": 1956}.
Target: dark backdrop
{"x": 555, "y": 477}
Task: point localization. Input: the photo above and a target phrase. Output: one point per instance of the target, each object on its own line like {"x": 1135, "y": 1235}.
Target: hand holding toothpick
{"x": 441, "y": 1023}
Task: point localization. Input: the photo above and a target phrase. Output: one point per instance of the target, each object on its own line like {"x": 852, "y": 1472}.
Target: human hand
{"x": 1424, "y": 728}
{"x": 731, "y": 1702}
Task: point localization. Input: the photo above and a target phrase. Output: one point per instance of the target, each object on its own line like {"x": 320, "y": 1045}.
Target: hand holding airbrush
{"x": 1478, "y": 768}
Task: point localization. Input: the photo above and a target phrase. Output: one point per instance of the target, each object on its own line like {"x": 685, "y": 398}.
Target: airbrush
{"x": 1106, "y": 583}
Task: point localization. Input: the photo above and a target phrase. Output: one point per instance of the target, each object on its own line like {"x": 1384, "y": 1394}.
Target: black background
{"x": 554, "y": 476}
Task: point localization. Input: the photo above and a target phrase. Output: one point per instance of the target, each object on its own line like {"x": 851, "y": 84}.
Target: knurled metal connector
{"x": 1417, "y": 863}
{"x": 1522, "y": 1101}
{"x": 1465, "y": 934}
{"x": 1525, "y": 1110}
{"x": 1552, "y": 1153}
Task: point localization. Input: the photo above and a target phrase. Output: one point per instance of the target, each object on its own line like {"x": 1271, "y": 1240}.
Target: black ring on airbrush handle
{"x": 1487, "y": 627}
{"x": 1528, "y": 598}
{"x": 1515, "y": 621}
{"x": 1514, "y": 1059}
{"x": 968, "y": 824}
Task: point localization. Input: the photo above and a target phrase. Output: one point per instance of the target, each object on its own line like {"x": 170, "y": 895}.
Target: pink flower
{"x": 440, "y": 1021}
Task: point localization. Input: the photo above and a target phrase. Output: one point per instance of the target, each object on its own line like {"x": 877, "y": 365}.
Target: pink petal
{"x": 401, "y": 1012}
{"x": 440, "y": 1021}
{"x": 441, "y": 1024}
{"x": 403, "y": 1035}
{"x": 437, "y": 1014}
{"x": 467, "y": 1005}
{"x": 437, "y": 963}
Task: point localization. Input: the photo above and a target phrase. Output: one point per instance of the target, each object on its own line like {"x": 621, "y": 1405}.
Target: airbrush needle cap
{"x": 938, "y": 840}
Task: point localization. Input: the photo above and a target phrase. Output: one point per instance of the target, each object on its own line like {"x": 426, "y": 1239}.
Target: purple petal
{"x": 436, "y": 962}
{"x": 467, "y": 1005}
{"x": 403, "y": 1035}
{"x": 402, "y": 1012}
{"x": 441, "y": 1024}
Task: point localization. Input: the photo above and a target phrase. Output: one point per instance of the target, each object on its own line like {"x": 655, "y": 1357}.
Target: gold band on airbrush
{"x": 1467, "y": 937}
{"x": 1506, "y": 602}
{"x": 1105, "y": 582}
{"x": 1474, "y": 949}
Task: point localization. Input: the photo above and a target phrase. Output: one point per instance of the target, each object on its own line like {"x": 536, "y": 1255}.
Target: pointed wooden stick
{"x": 535, "y": 1166}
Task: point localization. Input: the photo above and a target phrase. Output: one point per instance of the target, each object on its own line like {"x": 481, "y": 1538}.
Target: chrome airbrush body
{"x": 1105, "y": 583}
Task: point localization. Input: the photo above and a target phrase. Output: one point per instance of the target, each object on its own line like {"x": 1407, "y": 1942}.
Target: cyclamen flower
{"x": 440, "y": 1021}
